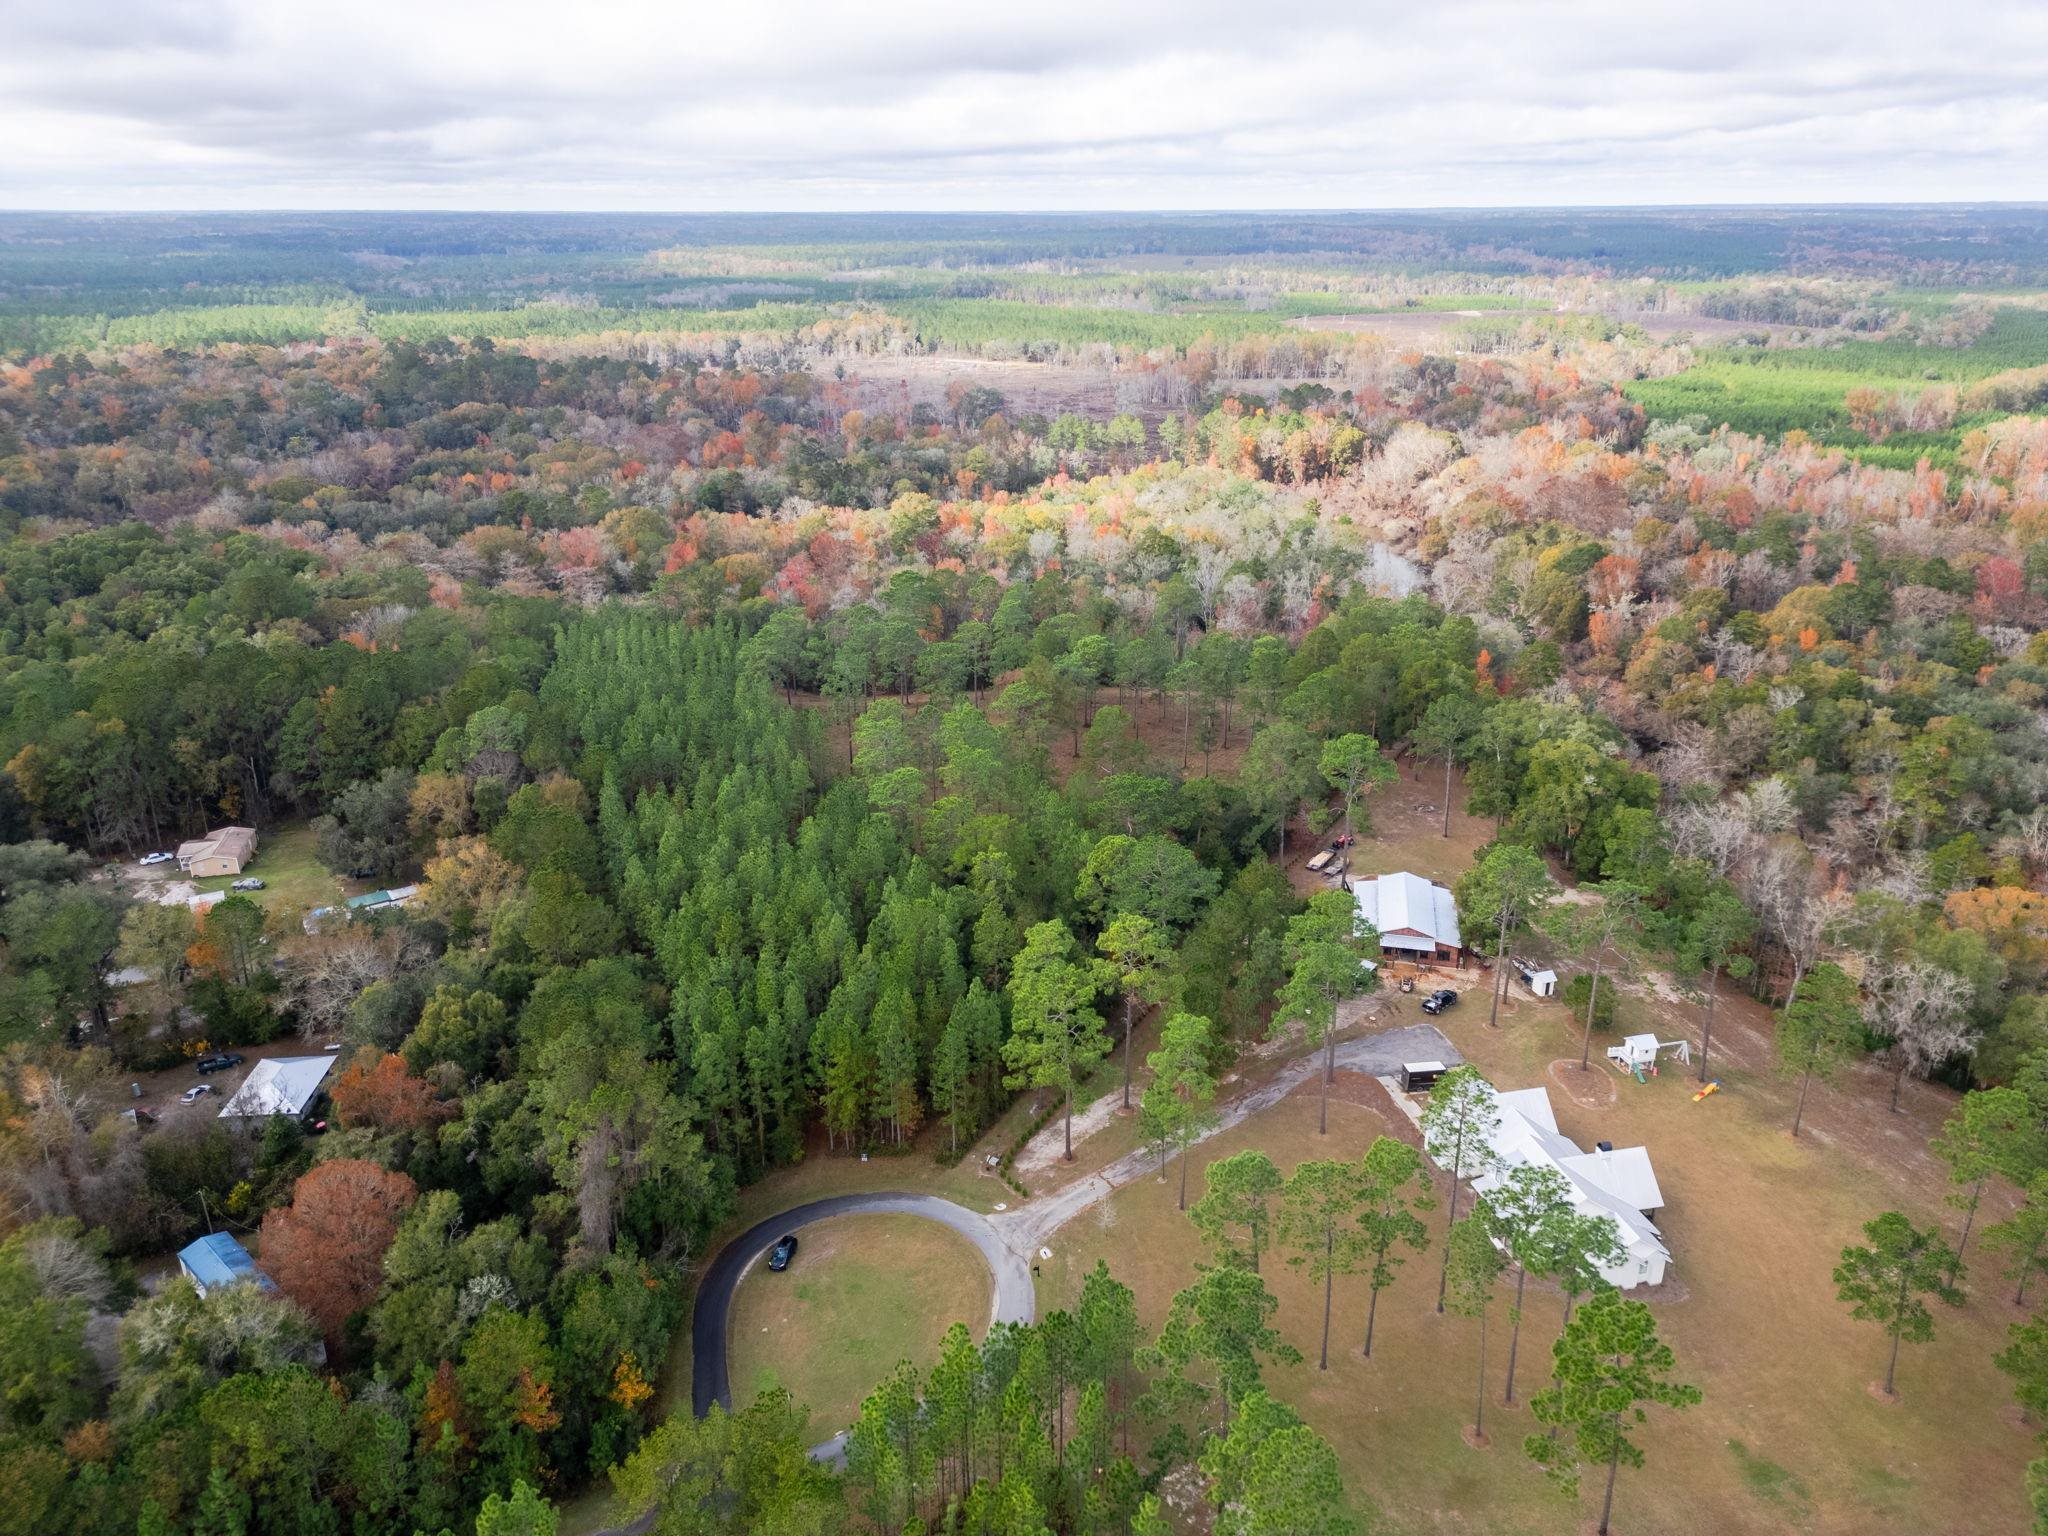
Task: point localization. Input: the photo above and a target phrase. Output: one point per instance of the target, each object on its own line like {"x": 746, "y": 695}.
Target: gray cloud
{"x": 811, "y": 104}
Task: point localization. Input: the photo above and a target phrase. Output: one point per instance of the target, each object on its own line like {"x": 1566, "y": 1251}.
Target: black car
{"x": 1439, "y": 1000}
{"x": 780, "y": 1255}
{"x": 217, "y": 1063}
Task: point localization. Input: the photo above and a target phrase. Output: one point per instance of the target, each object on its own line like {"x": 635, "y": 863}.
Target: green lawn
{"x": 294, "y": 879}
{"x": 863, "y": 1293}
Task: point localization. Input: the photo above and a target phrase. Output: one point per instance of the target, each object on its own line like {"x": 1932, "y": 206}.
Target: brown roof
{"x": 237, "y": 843}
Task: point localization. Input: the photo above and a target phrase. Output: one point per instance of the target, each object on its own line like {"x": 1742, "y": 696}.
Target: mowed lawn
{"x": 1787, "y": 1437}
{"x": 294, "y": 879}
{"x": 863, "y": 1293}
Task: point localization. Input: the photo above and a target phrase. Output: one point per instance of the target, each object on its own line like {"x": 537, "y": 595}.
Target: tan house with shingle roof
{"x": 223, "y": 851}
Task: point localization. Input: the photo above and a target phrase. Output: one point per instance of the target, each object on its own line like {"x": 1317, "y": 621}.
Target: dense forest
{"x": 781, "y": 758}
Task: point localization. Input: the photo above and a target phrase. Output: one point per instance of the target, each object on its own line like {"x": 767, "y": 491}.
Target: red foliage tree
{"x": 387, "y": 1096}
{"x": 326, "y": 1249}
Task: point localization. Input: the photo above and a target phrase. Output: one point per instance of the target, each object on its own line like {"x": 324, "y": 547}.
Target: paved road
{"x": 1377, "y": 1055}
{"x": 1015, "y": 1300}
{"x": 1005, "y": 1240}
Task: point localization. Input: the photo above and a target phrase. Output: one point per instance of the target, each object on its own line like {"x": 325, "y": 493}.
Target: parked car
{"x": 780, "y": 1255}
{"x": 218, "y": 1063}
{"x": 1439, "y": 1000}
{"x": 195, "y": 1093}
{"x": 149, "y": 859}
{"x": 247, "y": 883}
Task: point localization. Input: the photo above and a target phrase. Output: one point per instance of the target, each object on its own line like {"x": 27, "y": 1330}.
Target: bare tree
{"x": 1710, "y": 833}
{"x": 1921, "y": 1009}
{"x": 325, "y": 976}
{"x": 1781, "y": 887}
{"x": 2027, "y": 838}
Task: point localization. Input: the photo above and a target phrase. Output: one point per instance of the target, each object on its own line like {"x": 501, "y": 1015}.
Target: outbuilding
{"x": 1416, "y": 919}
{"x": 216, "y": 1260}
{"x": 382, "y": 901}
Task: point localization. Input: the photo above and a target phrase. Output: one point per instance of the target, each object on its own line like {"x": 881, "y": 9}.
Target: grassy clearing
{"x": 1773, "y": 392}
{"x": 1755, "y": 1221}
{"x": 863, "y": 1293}
{"x": 294, "y": 879}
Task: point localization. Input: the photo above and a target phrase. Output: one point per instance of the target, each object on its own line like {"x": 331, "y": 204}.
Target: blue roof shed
{"x": 217, "y": 1259}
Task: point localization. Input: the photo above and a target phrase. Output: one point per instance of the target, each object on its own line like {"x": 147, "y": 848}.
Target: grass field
{"x": 863, "y": 1293}
{"x": 1773, "y": 392}
{"x": 294, "y": 879}
{"x": 1072, "y": 312}
{"x": 1787, "y": 1436}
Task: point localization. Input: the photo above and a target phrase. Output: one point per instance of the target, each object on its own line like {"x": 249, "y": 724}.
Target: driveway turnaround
{"x": 1015, "y": 1301}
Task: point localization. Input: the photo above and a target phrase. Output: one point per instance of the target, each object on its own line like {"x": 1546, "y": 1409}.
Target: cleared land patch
{"x": 863, "y": 1293}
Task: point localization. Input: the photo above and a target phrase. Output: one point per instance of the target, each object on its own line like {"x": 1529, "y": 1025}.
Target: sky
{"x": 676, "y": 105}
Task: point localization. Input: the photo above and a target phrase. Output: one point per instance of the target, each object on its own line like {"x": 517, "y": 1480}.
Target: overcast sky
{"x": 895, "y": 104}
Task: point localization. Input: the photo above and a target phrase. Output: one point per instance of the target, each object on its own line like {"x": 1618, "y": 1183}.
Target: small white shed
{"x": 1542, "y": 983}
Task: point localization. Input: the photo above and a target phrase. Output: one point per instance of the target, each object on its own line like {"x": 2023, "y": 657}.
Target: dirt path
{"x": 1050, "y": 1144}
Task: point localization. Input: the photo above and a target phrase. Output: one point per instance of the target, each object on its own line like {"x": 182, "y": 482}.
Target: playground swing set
{"x": 1638, "y": 1055}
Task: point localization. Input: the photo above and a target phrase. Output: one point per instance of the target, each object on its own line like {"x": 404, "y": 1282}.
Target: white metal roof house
{"x": 1620, "y": 1184}
{"x": 283, "y": 1085}
{"x": 1417, "y": 919}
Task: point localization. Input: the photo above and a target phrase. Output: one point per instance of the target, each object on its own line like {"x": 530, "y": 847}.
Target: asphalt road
{"x": 1004, "y": 1241}
{"x": 1380, "y": 1054}
{"x": 1015, "y": 1300}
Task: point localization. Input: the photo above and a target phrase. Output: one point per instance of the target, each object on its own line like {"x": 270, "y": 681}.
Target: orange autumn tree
{"x": 387, "y": 1096}
{"x": 444, "y": 1427}
{"x": 2013, "y": 921}
{"x": 326, "y": 1249}
{"x": 630, "y": 1386}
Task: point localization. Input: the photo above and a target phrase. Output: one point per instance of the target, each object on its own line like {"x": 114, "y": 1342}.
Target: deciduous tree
{"x": 1921, "y": 1010}
{"x": 326, "y": 1249}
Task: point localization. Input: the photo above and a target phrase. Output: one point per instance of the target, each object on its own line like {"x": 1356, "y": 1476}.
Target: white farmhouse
{"x": 1619, "y": 1183}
